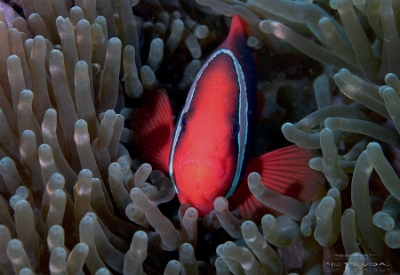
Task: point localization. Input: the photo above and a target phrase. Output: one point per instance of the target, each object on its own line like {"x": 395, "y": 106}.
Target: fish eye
{"x": 183, "y": 122}
{"x": 235, "y": 128}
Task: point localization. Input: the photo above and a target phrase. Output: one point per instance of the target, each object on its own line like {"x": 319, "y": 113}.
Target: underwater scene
{"x": 199, "y": 137}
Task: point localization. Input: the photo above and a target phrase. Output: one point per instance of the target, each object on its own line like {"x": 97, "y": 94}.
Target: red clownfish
{"x": 205, "y": 155}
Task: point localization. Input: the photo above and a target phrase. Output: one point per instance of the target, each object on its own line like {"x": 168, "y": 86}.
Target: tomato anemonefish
{"x": 205, "y": 155}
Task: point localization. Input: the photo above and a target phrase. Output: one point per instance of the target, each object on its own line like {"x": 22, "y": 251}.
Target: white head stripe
{"x": 243, "y": 120}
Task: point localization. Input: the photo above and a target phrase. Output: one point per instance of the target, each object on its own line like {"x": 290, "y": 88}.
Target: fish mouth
{"x": 202, "y": 165}
{"x": 201, "y": 159}
{"x": 200, "y": 179}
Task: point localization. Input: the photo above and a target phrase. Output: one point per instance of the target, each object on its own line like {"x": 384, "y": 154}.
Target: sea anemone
{"x": 72, "y": 199}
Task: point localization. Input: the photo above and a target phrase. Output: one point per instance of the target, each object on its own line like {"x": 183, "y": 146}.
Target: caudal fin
{"x": 285, "y": 171}
{"x": 153, "y": 126}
